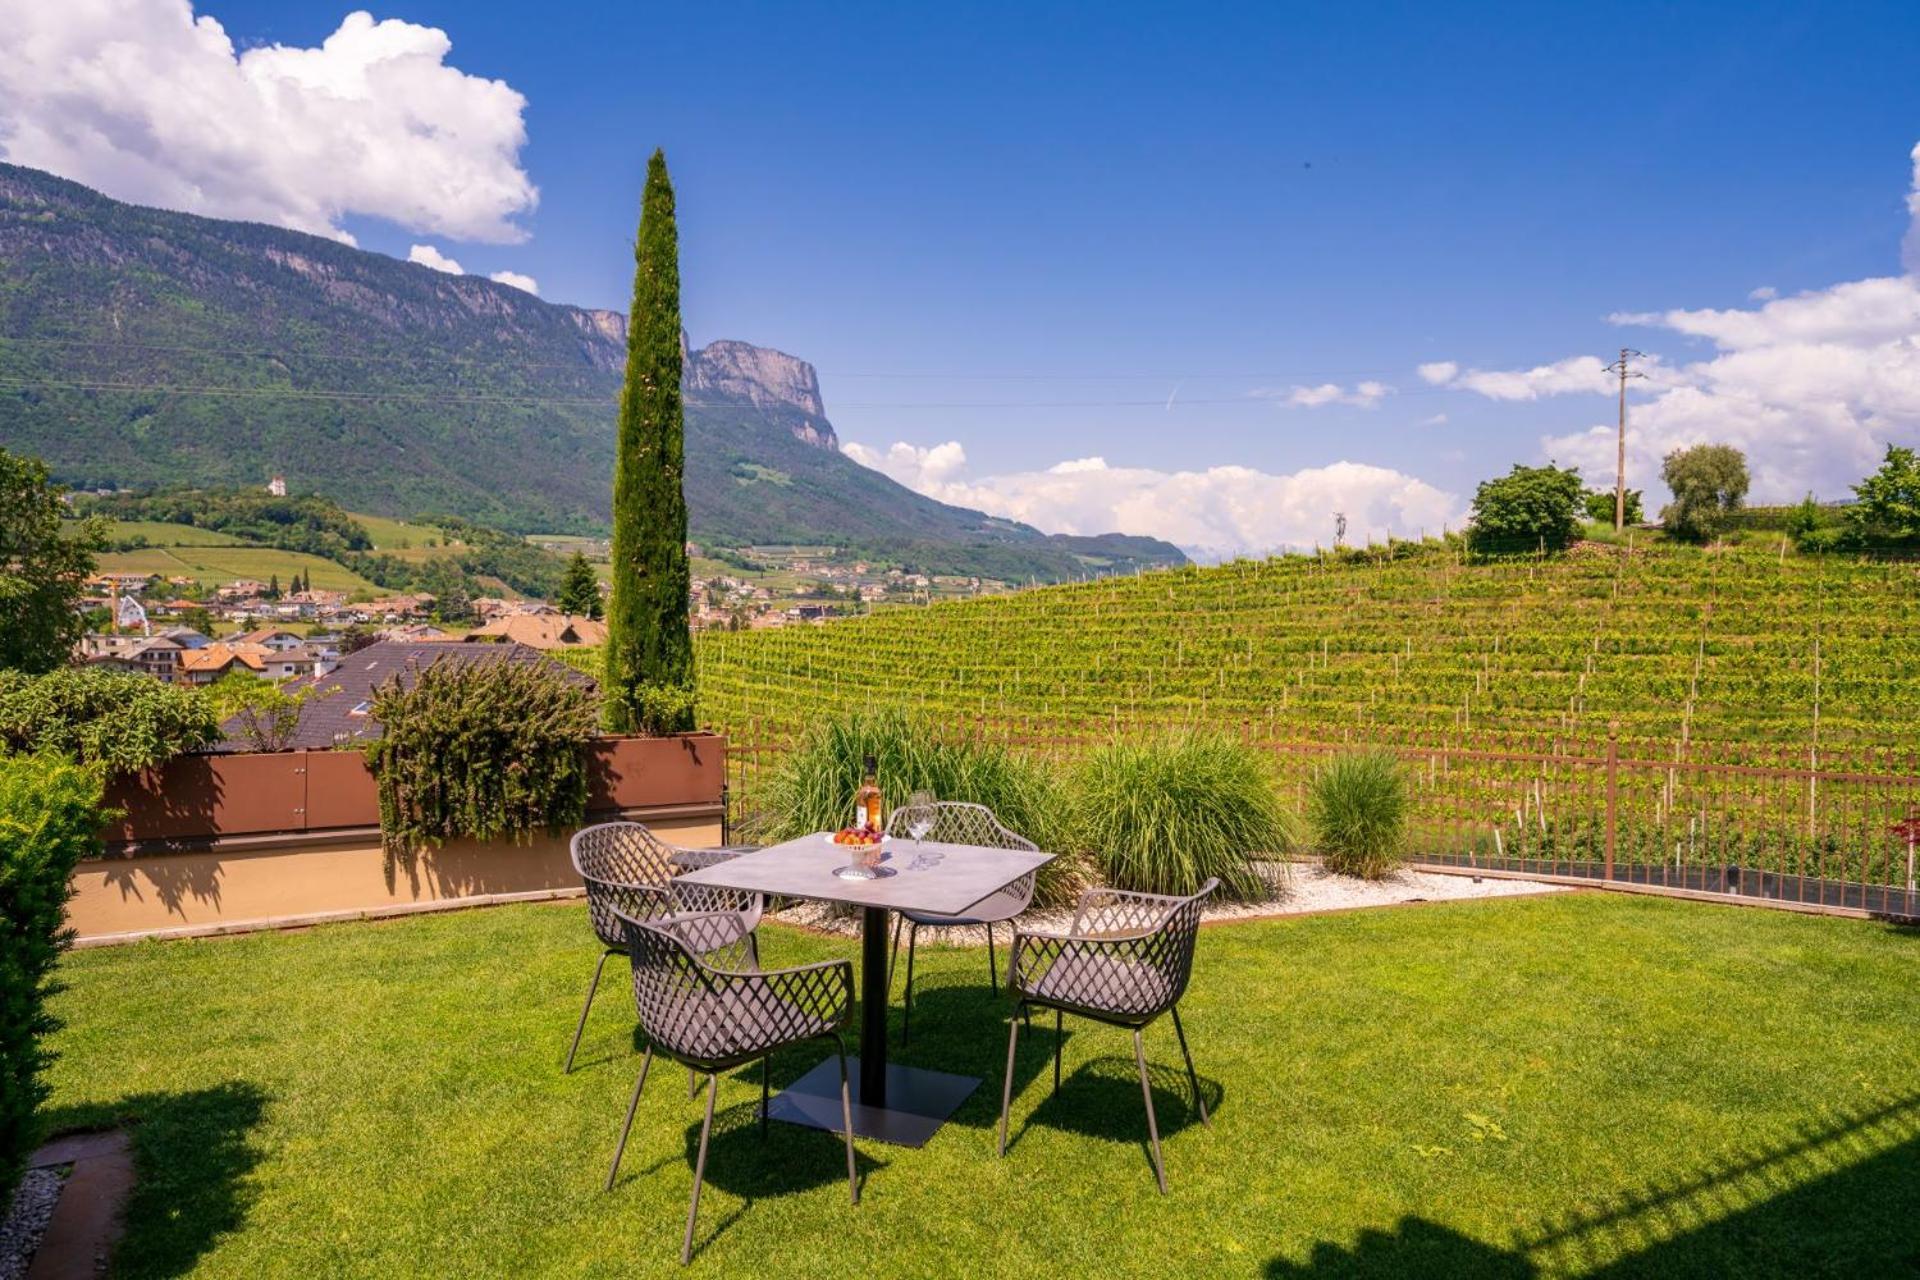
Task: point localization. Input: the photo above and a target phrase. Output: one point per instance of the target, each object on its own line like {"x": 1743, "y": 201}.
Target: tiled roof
{"x": 543, "y": 630}
{"x": 339, "y": 713}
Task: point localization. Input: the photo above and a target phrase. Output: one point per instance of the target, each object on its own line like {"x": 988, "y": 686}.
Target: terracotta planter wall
{"x": 212, "y": 844}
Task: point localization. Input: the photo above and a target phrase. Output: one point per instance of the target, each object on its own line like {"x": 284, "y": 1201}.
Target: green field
{"x": 404, "y": 539}
{"x": 216, "y": 565}
{"x": 162, "y": 534}
{"x": 1570, "y": 1085}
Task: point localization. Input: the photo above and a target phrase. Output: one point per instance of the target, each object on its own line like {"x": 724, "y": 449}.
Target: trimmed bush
{"x": 49, "y": 820}
{"x": 120, "y": 720}
{"x": 812, "y": 787}
{"x": 1357, "y": 813}
{"x": 1164, "y": 814}
{"x": 484, "y": 749}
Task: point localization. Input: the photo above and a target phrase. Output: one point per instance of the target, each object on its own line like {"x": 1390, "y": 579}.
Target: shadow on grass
{"x": 786, "y": 1160}
{"x": 191, "y": 1158}
{"x": 1835, "y": 1200}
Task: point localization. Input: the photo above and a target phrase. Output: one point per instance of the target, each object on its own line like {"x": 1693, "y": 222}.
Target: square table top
{"x": 803, "y": 868}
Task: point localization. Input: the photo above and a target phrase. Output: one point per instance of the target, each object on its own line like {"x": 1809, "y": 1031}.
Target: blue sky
{"x": 1025, "y": 230}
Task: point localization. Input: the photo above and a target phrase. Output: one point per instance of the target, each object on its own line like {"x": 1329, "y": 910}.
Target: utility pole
{"x": 1622, "y": 368}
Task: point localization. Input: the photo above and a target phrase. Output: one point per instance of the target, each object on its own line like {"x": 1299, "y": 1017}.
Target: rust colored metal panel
{"x": 219, "y": 795}
{"x": 633, "y": 773}
{"x": 340, "y": 791}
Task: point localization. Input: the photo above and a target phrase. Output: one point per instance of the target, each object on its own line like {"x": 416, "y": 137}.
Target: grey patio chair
{"x": 628, "y": 870}
{"x": 700, "y": 1005}
{"x": 1124, "y": 961}
{"x": 954, "y": 822}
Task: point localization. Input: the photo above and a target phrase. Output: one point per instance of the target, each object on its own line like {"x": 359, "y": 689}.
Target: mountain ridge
{"x": 143, "y": 348}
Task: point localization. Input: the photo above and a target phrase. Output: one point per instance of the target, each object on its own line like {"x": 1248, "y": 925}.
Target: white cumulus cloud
{"x": 517, "y": 280}
{"x": 426, "y": 255}
{"x": 149, "y": 103}
{"x": 1363, "y": 395}
{"x": 1812, "y": 387}
{"x": 1211, "y": 514}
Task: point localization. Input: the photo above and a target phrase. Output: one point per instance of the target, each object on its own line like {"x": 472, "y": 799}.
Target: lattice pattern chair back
{"x": 701, "y": 1004}
{"x": 957, "y": 822}
{"x": 701, "y": 899}
{"x": 625, "y": 868}
{"x": 1127, "y": 956}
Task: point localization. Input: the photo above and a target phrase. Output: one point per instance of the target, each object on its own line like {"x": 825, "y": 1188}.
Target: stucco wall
{"x": 295, "y": 880}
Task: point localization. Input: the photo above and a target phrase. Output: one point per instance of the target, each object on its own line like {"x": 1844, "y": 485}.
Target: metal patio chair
{"x": 1124, "y": 961}
{"x": 955, "y": 822}
{"x": 628, "y": 870}
{"x": 700, "y": 1005}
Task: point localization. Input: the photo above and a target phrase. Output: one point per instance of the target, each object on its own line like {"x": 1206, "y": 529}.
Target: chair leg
{"x": 846, "y": 1118}
{"x": 693, "y": 1084}
{"x": 632, "y": 1106}
{"x": 699, "y": 1172}
{"x": 893, "y": 957}
{"x": 1193, "y": 1079}
{"x": 1058, "y": 1036}
{"x": 1006, "y": 1085}
{"x": 1153, "y": 1126}
{"x": 765, "y": 1069}
{"x": 582, "y": 1025}
{"x": 906, "y": 1022}
{"x": 993, "y": 963}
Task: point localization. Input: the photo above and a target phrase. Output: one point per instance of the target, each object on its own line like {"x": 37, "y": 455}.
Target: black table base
{"x": 918, "y": 1102}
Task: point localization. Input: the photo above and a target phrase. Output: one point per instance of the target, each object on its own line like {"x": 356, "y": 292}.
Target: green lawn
{"x": 1569, "y": 1084}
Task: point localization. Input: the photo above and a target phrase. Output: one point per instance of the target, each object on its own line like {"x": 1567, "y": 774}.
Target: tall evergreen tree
{"x": 580, "y": 590}
{"x": 649, "y": 679}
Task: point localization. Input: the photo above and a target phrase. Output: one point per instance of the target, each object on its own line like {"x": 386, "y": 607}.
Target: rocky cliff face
{"x": 766, "y": 379}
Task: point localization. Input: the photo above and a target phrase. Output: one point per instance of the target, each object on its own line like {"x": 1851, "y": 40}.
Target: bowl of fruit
{"x": 858, "y": 837}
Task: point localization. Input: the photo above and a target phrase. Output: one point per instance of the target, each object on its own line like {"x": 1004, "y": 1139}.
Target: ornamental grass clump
{"x": 812, "y": 787}
{"x": 1357, "y": 814}
{"x": 1164, "y": 814}
{"x": 481, "y": 749}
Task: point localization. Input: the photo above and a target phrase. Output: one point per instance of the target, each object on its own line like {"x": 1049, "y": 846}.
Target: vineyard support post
{"x": 1613, "y": 794}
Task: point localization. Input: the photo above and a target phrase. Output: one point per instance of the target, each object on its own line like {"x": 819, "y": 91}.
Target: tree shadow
{"x": 1415, "y": 1247}
{"x": 191, "y": 1156}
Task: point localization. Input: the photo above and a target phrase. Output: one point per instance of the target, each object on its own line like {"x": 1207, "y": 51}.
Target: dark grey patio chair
{"x": 701, "y": 1006}
{"x": 1124, "y": 961}
{"x": 628, "y": 870}
{"x": 957, "y": 823}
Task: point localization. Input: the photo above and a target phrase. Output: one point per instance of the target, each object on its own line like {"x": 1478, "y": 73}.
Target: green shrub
{"x": 481, "y": 749}
{"x": 1164, "y": 814}
{"x": 811, "y": 789}
{"x": 1357, "y": 813}
{"x": 120, "y": 720}
{"x": 49, "y": 820}
{"x": 265, "y": 714}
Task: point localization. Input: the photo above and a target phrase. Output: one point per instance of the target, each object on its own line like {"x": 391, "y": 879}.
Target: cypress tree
{"x": 649, "y": 677}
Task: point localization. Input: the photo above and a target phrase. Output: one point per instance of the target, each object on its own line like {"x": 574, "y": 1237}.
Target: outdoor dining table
{"x": 895, "y": 1103}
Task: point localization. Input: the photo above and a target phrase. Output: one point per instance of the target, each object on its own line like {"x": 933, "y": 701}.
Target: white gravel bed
{"x": 27, "y": 1221}
{"x": 1309, "y": 888}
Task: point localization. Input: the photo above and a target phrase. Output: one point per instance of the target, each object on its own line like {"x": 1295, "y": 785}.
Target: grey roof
{"x": 339, "y": 714}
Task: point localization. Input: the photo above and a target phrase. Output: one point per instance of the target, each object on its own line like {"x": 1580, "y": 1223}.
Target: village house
{"x": 542, "y": 630}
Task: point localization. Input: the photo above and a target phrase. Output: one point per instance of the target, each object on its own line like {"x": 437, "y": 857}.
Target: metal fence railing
{"x": 1831, "y": 830}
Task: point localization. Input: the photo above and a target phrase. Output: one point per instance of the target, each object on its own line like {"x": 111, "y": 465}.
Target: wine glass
{"x": 920, "y": 815}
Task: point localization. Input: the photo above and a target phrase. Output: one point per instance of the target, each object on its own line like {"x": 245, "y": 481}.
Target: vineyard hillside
{"x": 1741, "y": 652}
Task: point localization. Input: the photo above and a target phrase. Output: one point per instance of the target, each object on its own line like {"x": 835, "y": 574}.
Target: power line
{"x": 585, "y": 367}
{"x": 13, "y": 383}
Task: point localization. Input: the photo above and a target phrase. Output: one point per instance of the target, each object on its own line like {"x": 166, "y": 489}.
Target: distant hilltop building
{"x": 277, "y": 486}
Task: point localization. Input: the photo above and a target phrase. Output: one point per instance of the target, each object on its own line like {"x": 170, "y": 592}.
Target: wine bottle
{"x": 866, "y": 801}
